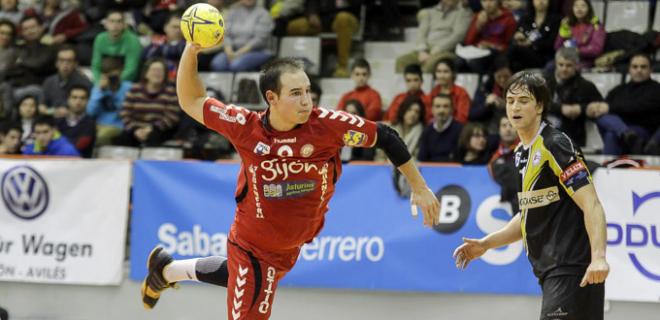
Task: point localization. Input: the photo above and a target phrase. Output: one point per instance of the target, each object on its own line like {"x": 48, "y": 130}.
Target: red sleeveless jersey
{"x": 286, "y": 178}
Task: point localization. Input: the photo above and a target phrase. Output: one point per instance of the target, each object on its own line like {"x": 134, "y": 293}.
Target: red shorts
{"x": 251, "y": 286}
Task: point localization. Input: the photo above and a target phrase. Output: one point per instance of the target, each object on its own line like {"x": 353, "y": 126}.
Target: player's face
{"x": 442, "y": 109}
{"x": 294, "y": 103}
{"x": 413, "y": 82}
{"x": 360, "y": 76}
{"x": 443, "y": 75}
{"x": 639, "y": 69}
{"x": 507, "y": 132}
{"x": 564, "y": 69}
{"x": 522, "y": 109}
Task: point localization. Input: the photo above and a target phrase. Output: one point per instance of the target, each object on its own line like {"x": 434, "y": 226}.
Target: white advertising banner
{"x": 631, "y": 199}
{"x": 63, "y": 221}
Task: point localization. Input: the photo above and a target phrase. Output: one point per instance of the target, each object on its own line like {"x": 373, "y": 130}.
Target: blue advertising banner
{"x": 370, "y": 241}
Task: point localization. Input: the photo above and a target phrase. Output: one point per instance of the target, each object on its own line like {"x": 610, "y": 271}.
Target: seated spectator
{"x": 368, "y": 97}
{"x": 444, "y": 77}
{"x": 517, "y": 7}
{"x": 8, "y": 55}
{"x": 355, "y": 154}
{"x": 502, "y": 167}
{"x": 169, "y": 46}
{"x": 10, "y": 139}
{"x": 534, "y": 39}
{"x": 77, "y": 126}
{"x": 247, "y": 32}
{"x": 151, "y": 108}
{"x": 472, "y": 145}
{"x": 630, "y": 118}
{"x": 56, "y": 87}
{"x": 284, "y": 12}
{"x": 488, "y": 105}
{"x": 27, "y": 112}
{"x": 492, "y": 29}
{"x": 34, "y": 62}
{"x": 107, "y": 99}
{"x": 339, "y": 17}
{"x": 410, "y": 122}
{"x": 48, "y": 141}
{"x": 571, "y": 93}
{"x": 581, "y": 29}
{"x": 117, "y": 42}
{"x": 154, "y": 15}
{"x": 315, "y": 92}
{"x": 414, "y": 80}
{"x": 440, "y": 138}
{"x": 63, "y": 23}
{"x": 441, "y": 28}
{"x": 9, "y": 10}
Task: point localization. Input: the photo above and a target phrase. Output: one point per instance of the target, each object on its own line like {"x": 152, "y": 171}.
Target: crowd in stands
{"x": 49, "y": 106}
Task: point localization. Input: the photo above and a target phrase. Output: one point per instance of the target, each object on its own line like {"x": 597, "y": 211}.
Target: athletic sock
{"x": 180, "y": 270}
{"x": 212, "y": 270}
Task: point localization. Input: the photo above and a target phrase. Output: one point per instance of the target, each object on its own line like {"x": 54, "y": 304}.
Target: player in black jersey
{"x": 561, "y": 220}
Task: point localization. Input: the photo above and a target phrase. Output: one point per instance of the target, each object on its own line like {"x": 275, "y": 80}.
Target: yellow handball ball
{"x": 202, "y": 24}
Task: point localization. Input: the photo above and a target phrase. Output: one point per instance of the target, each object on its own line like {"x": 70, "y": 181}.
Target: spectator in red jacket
{"x": 414, "y": 80}
{"x": 444, "y": 76}
{"x": 368, "y": 97}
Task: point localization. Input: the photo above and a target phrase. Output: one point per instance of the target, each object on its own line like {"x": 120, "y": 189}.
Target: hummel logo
{"x": 238, "y": 294}
{"x": 557, "y": 313}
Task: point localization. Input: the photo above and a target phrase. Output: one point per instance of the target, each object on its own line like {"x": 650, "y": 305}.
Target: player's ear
{"x": 271, "y": 97}
{"x": 539, "y": 108}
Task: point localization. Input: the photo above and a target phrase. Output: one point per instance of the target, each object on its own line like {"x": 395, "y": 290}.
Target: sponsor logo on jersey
{"x": 282, "y": 168}
{"x": 222, "y": 114}
{"x": 354, "y": 138}
{"x": 538, "y": 198}
{"x": 572, "y": 170}
{"x": 287, "y": 140}
{"x": 285, "y": 151}
{"x": 262, "y": 149}
{"x": 537, "y": 158}
{"x": 270, "y": 278}
{"x": 284, "y": 190}
{"x": 306, "y": 150}
{"x": 558, "y": 313}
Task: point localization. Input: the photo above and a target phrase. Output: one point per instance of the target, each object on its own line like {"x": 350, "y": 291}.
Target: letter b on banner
{"x": 455, "y": 206}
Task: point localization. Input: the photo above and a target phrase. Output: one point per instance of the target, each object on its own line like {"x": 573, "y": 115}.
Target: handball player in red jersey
{"x": 289, "y": 167}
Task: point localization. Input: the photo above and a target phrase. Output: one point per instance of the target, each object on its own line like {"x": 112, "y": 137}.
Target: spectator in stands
{"x": 581, "y": 29}
{"x": 441, "y": 28}
{"x": 10, "y": 140}
{"x": 247, "y": 32}
{"x": 169, "y": 46}
{"x": 9, "y": 10}
{"x": 533, "y": 42}
{"x": 356, "y": 154}
{"x": 492, "y": 28}
{"x": 107, "y": 99}
{"x": 151, "y": 108}
{"x": 315, "y": 92}
{"x": 119, "y": 42}
{"x": 77, "y": 126}
{"x": 284, "y": 12}
{"x": 630, "y": 117}
{"x": 48, "y": 141}
{"x": 368, "y": 97}
{"x": 56, "y": 87}
{"x": 63, "y": 23}
{"x": 414, "y": 79}
{"x": 440, "y": 138}
{"x": 8, "y": 55}
{"x": 488, "y": 105}
{"x": 571, "y": 93}
{"x": 34, "y": 62}
{"x": 153, "y": 16}
{"x": 517, "y": 7}
{"x": 444, "y": 77}
{"x": 502, "y": 166}
{"x": 472, "y": 145}
{"x": 27, "y": 112}
{"x": 339, "y": 17}
{"x": 410, "y": 122}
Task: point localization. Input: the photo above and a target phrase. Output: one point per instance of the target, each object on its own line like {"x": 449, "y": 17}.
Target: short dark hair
{"x": 534, "y": 83}
{"x": 44, "y": 120}
{"x": 407, "y": 103}
{"x": 444, "y": 96}
{"x": 113, "y": 11}
{"x": 272, "y": 72}
{"x": 449, "y": 63}
{"x": 643, "y": 55}
{"x": 109, "y": 64}
{"x": 7, "y": 126}
{"x": 78, "y": 87}
{"x": 67, "y": 47}
{"x": 413, "y": 69}
{"x": 7, "y": 22}
{"x": 28, "y": 96}
{"x": 361, "y": 63}
{"x": 31, "y": 16}
{"x": 358, "y": 105}
{"x": 147, "y": 65}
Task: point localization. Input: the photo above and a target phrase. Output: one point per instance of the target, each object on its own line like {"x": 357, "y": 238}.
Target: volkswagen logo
{"x": 24, "y": 192}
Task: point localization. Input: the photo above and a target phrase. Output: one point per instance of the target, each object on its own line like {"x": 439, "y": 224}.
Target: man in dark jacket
{"x": 570, "y": 95}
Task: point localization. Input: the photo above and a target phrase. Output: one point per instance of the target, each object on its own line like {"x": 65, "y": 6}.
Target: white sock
{"x": 180, "y": 270}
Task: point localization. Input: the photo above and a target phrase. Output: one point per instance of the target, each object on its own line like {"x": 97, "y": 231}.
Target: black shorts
{"x": 564, "y": 299}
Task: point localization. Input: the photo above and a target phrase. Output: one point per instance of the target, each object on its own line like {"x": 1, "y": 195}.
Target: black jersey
{"x": 550, "y": 170}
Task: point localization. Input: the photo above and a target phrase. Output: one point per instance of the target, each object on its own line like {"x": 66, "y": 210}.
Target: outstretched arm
{"x": 421, "y": 197}
{"x": 474, "y": 248}
{"x": 189, "y": 87}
